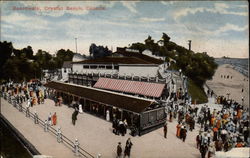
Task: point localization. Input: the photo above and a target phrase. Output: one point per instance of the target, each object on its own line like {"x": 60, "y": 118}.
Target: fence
{"x": 74, "y": 77}
{"x": 76, "y": 148}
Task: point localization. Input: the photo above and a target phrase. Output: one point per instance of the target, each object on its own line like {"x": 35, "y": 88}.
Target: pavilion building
{"x": 138, "y": 84}
{"x": 144, "y": 114}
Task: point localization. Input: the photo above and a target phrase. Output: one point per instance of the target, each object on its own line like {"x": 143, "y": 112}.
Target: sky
{"x": 220, "y": 28}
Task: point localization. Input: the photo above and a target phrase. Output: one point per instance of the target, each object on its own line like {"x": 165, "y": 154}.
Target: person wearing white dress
{"x": 28, "y": 103}
{"x": 107, "y": 115}
{"x": 80, "y": 108}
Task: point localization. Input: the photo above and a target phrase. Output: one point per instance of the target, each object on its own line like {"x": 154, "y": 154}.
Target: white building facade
{"x": 147, "y": 70}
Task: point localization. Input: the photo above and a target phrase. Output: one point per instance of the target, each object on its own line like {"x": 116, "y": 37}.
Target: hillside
{"x": 198, "y": 67}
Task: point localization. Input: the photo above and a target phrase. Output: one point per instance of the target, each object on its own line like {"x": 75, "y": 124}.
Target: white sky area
{"x": 220, "y": 28}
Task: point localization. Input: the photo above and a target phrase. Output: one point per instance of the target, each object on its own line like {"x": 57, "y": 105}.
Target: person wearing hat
{"x": 211, "y": 150}
{"x": 203, "y": 150}
{"x": 128, "y": 148}
{"x": 184, "y": 133}
{"x": 218, "y": 144}
{"x": 198, "y": 140}
{"x": 165, "y": 130}
{"x": 119, "y": 150}
{"x": 178, "y": 129}
{"x": 54, "y": 119}
{"x": 204, "y": 140}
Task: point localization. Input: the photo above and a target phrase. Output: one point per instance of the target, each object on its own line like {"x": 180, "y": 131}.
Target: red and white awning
{"x": 135, "y": 87}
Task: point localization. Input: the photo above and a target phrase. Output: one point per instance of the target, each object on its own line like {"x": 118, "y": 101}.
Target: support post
{"x": 20, "y": 107}
{"x": 59, "y": 135}
{"x": 27, "y": 112}
{"x": 104, "y": 111}
{"x": 36, "y": 118}
{"x": 76, "y": 147}
{"x": 45, "y": 126}
{"x": 121, "y": 114}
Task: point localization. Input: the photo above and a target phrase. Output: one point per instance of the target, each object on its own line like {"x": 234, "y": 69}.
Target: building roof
{"x": 134, "y": 87}
{"x": 123, "y": 101}
{"x": 67, "y": 64}
{"x": 141, "y": 56}
{"x": 78, "y": 57}
{"x": 114, "y": 60}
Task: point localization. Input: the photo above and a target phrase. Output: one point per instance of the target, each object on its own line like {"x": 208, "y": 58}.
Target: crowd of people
{"x": 221, "y": 129}
{"x": 32, "y": 92}
{"x": 119, "y": 126}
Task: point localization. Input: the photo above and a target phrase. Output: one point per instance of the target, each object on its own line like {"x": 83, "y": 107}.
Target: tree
{"x": 138, "y": 46}
{"x": 98, "y": 51}
{"x": 165, "y": 39}
{"x": 149, "y": 41}
{"x": 5, "y": 53}
{"x": 63, "y": 55}
{"x": 23, "y": 65}
{"x": 28, "y": 51}
{"x": 43, "y": 58}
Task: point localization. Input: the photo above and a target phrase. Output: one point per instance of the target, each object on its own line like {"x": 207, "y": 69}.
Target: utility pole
{"x": 189, "y": 45}
{"x": 76, "y": 44}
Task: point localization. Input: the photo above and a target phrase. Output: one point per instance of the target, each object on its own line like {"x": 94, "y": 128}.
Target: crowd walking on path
{"x": 220, "y": 129}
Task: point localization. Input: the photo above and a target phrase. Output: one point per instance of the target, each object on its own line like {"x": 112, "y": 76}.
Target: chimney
{"x": 189, "y": 45}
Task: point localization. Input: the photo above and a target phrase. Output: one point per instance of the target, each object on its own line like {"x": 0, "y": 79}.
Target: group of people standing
{"x": 32, "y": 93}
{"x": 181, "y": 131}
{"x": 119, "y": 126}
{"x": 185, "y": 116}
{"x": 52, "y": 119}
{"x": 58, "y": 101}
{"x": 127, "y": 149}
{"x": 19, "y": 93}
{"x": 226, "y": 76}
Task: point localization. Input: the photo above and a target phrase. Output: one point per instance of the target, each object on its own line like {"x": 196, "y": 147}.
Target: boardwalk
{"x": 95, "y": 135}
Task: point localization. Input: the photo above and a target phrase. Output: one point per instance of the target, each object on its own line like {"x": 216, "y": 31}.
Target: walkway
{"x": 45, "y": 143}
{"x": 95, "y": 135}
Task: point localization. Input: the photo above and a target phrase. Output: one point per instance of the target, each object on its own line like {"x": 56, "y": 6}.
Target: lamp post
{"x": 76, "y": 44}
{"x": 189, "y": 45}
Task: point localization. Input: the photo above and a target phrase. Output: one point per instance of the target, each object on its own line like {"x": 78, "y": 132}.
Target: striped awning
{"x": 134, "y": 87}
{"x": 101, "y": 96}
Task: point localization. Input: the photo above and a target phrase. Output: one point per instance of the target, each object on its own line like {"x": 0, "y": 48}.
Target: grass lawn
{"x": 197, "y": 93}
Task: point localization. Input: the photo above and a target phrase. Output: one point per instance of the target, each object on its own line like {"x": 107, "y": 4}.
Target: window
{"x": 101, "y": 67}
{"x": 93, "y": 66}
{"x": 116, "y": 67}
{"x": 86, "y": 66}
{"x": 65, "y": 70}
{"x": 109, "y": 67}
